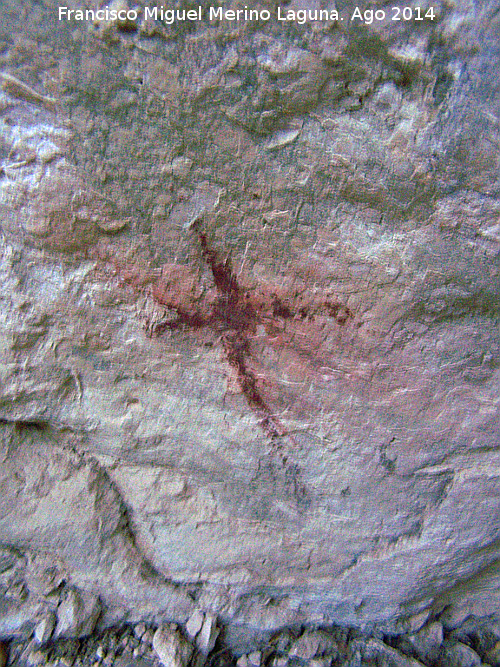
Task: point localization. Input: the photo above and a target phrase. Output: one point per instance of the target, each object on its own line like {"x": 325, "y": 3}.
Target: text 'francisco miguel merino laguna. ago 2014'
{"x": 169, "y": 16}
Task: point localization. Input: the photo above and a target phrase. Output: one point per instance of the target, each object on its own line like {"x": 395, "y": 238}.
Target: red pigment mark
{"x": 224, "y": 279}
{"x": 233, "y": 316}
{"x": 232, "y": 313}
{"x": 237, "y": 351}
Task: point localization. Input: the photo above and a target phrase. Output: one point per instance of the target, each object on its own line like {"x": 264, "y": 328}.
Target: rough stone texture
{"x": 312, "y": 644}
{"x": 338, "y": 647}
{"x": 425, "y": 644}
{"x": 460, "y": 655}
{"x": 205, "y": 641}
{"x": 375, "y": 652}
{"x": 249, "y": 305}
{"x": 45, "y": 628}
{"x": 170, "y": 648}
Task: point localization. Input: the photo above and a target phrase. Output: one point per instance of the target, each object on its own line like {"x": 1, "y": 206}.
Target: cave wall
{"x": 249, "y": 304}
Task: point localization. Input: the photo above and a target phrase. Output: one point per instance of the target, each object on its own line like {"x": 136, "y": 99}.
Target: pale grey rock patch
{"x": 45, "y": 628}
{"x": 205, "y": 640}
{"x": 171, "y": 648}
{"x": 376, "y": 650}
{"x": 282, "y": 138}
{"x": 77, "y": 614}
{"x": 312, "y": 644}
{"x": 460, "y": 655}
{"x": 254, "y": 659}
{"x": 194, "y": 624}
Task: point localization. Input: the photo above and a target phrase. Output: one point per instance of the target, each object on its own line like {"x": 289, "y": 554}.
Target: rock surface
{"x": 249, "y": 298}
{"x": 338, "y": 647}
{"x": 171, "y": 648}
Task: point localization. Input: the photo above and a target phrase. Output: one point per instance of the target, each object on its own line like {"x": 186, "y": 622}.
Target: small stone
{"x": 194, "y": 624}
{"x": 111, "y": 225}
{"x": 139, "y": 630}
{"x": 36, "y": 658}
{"x": 460, "y": 655}
{"x": 320, "y": 662}
{"x": 312, "y": 644}
{"x": 77, "y": 614}
{"x": 427, "y": 642}
{"x": 281, "y": 139}
{"x": 38, "y": 226}
{"x": 242, "y": 661}
{"x": 100, "y": 653}
{"x": 147, "y": 637}
{"x": 181, "y": 166}
{"x": 432, "y": 633}
{"x": 283, "y": 641}
{"x": 413, "y": 623}
{"x": 280, "y": 662}
{"x": 171, "y": 648}
{"x": 207, "y": 637}
{"x": 254, "y": 658}
{"x": 66, "y": 661}
{"x": 45, "y": 628}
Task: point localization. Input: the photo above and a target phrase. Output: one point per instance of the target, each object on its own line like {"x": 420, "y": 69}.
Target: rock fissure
{"x": 147, "y": 570}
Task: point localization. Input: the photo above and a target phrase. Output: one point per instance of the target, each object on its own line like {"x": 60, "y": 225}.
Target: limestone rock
{"x": 249, "y": 347}
{"x": 375, "y": 650}
{"x": 194, "y": 624}
{"x": 77, "y": 614}
{"x": 205, "y": 641}
{"x": 460, "y": 655}
{"x": 44, "y": 628}
{"x": 312, "y": 644}
{"x": 171, "y": 649}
